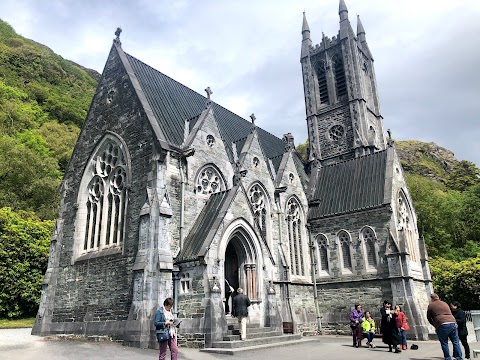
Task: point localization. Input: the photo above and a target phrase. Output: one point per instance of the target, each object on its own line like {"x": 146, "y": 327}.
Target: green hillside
{"x": 43, "y": 101}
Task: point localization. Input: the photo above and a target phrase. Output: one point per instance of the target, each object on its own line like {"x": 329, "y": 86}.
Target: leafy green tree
{"x": 457, "y": 281}
{"x": 24, "y": 247}
{"x": 463, "y": 175}
{"x": 302, "y": 149}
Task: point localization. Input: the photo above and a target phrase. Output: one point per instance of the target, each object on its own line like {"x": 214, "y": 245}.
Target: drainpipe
{"x": 314, "y": 277}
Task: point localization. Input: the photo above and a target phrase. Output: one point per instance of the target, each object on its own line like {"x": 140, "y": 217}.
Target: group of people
{"x": 449, "y": 322}
{"x": 166, "y": 326}
{"x": 393, "y": 327}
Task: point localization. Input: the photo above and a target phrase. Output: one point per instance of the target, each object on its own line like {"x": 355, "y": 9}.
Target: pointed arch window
{"x": 322, "y": 255}
{"x": 260, "y": 205}
{"x": 339, "y": 73}
{"x": 406, "y": 224}
{"x": 369, "y": 240}
{"x": 346, "y": 255}
{"x": 103, "y": 198}
{"x": 322, "y": 82}
{"x": 209, "y": 180}
{"x": 295, "y": 236}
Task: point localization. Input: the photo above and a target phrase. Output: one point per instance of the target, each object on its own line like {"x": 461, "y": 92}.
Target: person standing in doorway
{"x": 459, "y": 315}
{"x": 440, "y": 316}
{"x": 228, "y": 294}
{"x": 241, "y": 302}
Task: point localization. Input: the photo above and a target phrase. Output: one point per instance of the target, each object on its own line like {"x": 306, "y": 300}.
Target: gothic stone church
{"x": 168, "y": 193}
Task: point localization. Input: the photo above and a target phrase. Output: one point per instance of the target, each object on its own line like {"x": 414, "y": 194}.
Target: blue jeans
{"x": 403, "y": 337}
{"x": 449, "y": 331}
{"x": 369, "y": 336}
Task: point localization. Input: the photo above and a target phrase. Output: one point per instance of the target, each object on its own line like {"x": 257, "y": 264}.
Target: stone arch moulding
{"x": 370, "y": 258}
{"x": 340, "y": 241}
{"x": 109, "y": 173}
{"x": 251, "y": 251}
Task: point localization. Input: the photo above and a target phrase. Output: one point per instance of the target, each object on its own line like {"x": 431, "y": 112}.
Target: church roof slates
{"x": 194, "y": 241}
{"x": 172, "y": 103}
{"x": 350, "y": 185}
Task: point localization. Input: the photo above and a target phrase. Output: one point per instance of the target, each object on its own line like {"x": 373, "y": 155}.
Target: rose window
{"x": 336, "y": 132}
{"x": 257, "y": 199}
{"x": 209, "y": 181}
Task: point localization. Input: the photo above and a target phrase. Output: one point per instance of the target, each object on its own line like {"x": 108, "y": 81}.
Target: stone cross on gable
{"x": 209, "y": 92}
{"x": 253, "y": 118}
{"x": 117, "y": 34}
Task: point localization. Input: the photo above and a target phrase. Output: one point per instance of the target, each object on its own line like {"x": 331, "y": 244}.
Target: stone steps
{"x": 256, "y": 335}
{"x": 250, "y": 330}
{"x": 286, "y": 340}
{"x": 255, "y": 341}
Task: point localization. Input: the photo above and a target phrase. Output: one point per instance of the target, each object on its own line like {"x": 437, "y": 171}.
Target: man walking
{"x": 440, "y": 316}
{"x": 240, "y": 304}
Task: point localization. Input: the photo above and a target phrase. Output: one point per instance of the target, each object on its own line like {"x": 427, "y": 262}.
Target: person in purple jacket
{"x": 355, "y": 323}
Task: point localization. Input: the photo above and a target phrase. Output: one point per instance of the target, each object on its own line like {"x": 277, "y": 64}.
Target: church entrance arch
{"x": 239, "y": 251}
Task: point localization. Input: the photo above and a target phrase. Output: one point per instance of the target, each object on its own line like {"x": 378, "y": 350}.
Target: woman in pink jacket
{"x": 402, "y": 326}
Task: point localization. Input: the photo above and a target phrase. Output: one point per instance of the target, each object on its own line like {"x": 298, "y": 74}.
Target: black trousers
{"x": 463, "y": 339}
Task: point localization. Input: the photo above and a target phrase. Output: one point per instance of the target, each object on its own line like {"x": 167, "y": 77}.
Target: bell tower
{"x": 341, "y": 99}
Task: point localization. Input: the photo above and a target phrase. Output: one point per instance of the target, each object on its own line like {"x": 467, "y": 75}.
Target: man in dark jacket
{"x": 440, "y": 316}
{"x": 241, "y": 302}
{"x": 459, "y": 315}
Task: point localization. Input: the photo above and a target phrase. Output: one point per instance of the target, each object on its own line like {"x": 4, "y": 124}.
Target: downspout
{"x": 183, "y": 157}
{"x": 314, "y": 277}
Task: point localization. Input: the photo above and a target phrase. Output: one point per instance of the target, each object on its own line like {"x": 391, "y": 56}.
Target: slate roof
{"x": 350, "y": 185}
{"x": 172, "y": 103}
{"x": 195, "y": 241}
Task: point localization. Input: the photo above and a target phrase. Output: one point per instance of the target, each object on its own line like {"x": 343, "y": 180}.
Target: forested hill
{"x": 43, "y": 102}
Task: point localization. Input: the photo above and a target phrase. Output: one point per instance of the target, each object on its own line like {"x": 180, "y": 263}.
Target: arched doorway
{"x": 240, "y": 266}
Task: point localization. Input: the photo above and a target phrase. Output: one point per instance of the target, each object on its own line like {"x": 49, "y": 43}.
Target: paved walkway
{"x": 18, "y": 344}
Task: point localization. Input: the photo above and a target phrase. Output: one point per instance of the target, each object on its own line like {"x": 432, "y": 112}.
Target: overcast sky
{"x": 427, "y": 54}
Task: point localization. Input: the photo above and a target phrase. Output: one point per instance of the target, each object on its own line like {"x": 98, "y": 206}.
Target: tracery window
{"x": 369, "y": 240}
{"x": 346, "y": 257}
{"x": 185, "y": 283}
{"x": 406, "y": 224}
{"x": 322, "y": 254}
{"x": 336, "y": 132}
{"x": 102, "y": 204}
{"x": 209, "y": 181}
{"x": 259, "y": 202}
{"x": 295, "y": 236}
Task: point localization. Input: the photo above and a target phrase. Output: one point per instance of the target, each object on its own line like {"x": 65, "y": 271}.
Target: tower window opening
{"x": 322, "y": 84}
{"x": 340, "y": 82}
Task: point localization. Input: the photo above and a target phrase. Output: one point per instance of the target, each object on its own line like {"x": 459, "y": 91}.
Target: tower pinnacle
{"x": 306, "y": 41}
{"x": 342, "y": 10}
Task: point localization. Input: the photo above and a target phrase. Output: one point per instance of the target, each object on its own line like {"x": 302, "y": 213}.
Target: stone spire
{"x": 342, "y": 10}
{"x": 306, "y": 41}
{"x": 360, "y": 29}
{"x": 345, "y": 27}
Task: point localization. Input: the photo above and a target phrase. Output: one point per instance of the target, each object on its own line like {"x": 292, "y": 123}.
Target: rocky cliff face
{"x": 425, "y": 159}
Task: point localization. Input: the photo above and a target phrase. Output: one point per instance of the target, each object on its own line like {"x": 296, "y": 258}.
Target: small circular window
{"x": 336, "y": 132}
{"x": 255, "y": 161}
{"x": 210, "y": 140}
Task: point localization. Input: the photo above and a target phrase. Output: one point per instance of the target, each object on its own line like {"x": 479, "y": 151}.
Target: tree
{"x": 302, "y": 150}
{"x": 24, "y": 248}
{"x": 463, "y": 175}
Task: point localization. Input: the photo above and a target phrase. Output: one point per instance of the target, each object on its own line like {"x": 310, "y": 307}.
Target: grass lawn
{"x": 18, "y": 323}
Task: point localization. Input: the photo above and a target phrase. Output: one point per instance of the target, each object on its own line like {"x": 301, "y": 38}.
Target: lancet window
{"x": 259, "y": 202}
{"x": 295, "y": 236}
{"x": 346, "y": 256}
{"x": 369, "y": 240}
{"x": 322, "y": 82}
{"x": 339, "y": 72}
{"x": 322, "y": 254}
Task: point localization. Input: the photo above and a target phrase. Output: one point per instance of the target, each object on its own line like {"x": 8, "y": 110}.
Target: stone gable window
{"x": 102, "y": 198}
{"x": 345, "y": 251}
{"x": 255, "y": 161}
{"x": 406, "y": 226}
{"x": 260, "y": 206}
{"x": 209, "y": 180}
{"x": 185, "y": 283}
{"x": 369, "y": 240}
{"x": 295, "y": 236}
{"x": 210, "y": 140}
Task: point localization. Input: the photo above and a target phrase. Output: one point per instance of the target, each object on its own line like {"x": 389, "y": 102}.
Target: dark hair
{"x": 457, "y": 304}
{"x": 386, "y": 302}
{"x": 168, "y": 302}
{"x": 356, "y": 306}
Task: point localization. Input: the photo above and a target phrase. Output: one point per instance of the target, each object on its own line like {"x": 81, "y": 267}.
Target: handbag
{"x": 163, "y": 336}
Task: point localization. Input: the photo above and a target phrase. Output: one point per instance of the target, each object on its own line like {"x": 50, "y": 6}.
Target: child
{"x": 401, "y": 323}
{"x": 368, "y": 329}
